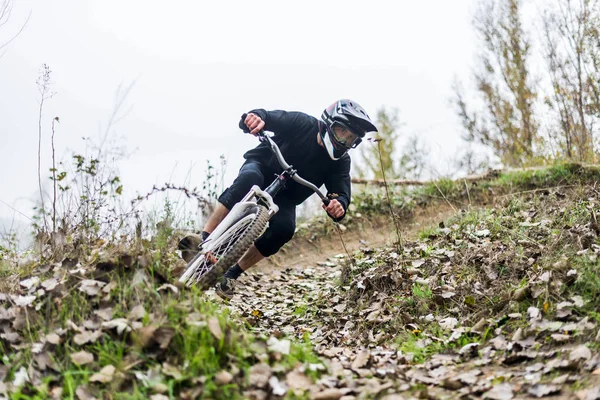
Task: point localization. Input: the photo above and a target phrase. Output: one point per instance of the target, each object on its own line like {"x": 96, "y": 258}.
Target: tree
{"x": 506, "y": 120}
{"x": 5, "y": 11}
{"x": 377, "y": 157}
{"x": 382, "y": 155}
{"x": 571, "y": 39}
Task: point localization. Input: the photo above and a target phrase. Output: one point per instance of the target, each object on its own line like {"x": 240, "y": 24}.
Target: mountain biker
{"x": 318, "y": 150}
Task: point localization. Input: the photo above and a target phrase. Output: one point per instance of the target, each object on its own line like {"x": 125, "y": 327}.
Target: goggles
{"x": 344, "y": 136}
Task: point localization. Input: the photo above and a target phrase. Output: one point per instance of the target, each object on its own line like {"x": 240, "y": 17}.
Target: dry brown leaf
{"x": 278, "y": 346}
{"x": 82, "y": 357}
{"x": 448, "y": 323}
{"x": 53, "y": 338}
{"x": 277, "y": 388}
{"x": 120, "y": 324}
{"x": 259, "y": 375}
{"x": 43, "y": 361}
{"x": 328, "y": 394}
{"x": 105, "y": 313}
{"x": 24, "y": 301}
{"x": 168, "y": 286}
{"x": 86, "y": 337}
{"x": 143, "y": 336}
{"x": 50, "y": 284}
{"x": 298, "y": 380}
{"x": 580, "y": 353}
{"x": 83, "y": 393}
{"x": 361, "y": 360}
{"x": 223, "y": 377}
{"x": 215, "y": 328}
{"x": 150, "y": 335}
{"x": 91, "y": 287}
{"x": 502, "y": 391}
{"x": 540, "y": 390}
{"x": 163, "y": 336}
{"x": 172, "y": 371}
{"x": 106, "y": 289}
{"x": 159, "y": 397}
{"x": 30, "y": 282}
{"x": 138, "y": 312}
{"x": 105, "y": 375}
{"x": 56, "y": 393}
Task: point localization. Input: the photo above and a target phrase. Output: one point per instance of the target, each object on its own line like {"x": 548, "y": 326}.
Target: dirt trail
{"x": 285, "y": 297}
{"x": 372, "y": 232}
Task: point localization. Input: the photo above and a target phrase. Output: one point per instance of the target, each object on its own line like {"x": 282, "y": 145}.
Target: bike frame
{"x": 256, "y": 196}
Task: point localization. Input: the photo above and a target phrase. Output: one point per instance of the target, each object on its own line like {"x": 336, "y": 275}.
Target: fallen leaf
{"x": 43, "y": 361}
{"x": 448, "y": 323}
{"x": 21, "y": 377}
{"x": 30, "y": 282}
{"x": 215, "y": 328}
{"x": 159, "y": 397}
{"x": 105, "y": 375}
{"x": 259, "y": 375}
{"x": 107, "y": 289}
{"x": 120, "y": 324}
{"x": 82, "y": 357}
{"x": 168, "y": 286}
{"x": 53, "y": 338}
{"x": 578, "y": 301}
{"x": 172, "y": 371}
{"x": 361, "y": 359}
{"x": 580, "y": 353}
{"x": 83, "y": 393}
{"x": 534, "y": 313}
{"x": 328, "y": 394}
{"x": 297, "y": 380}
{"x": 502, "y": 391}
{"x": 91, "y": 287}
{"x": 223, "y": 377}
{"x": 540, "y": 390}
{"x": 24, "y": 301}
{"x": 86, "y": 337}
{"x": 278, "y": 346}
{"x": 105, "y": 313}
{"x": 50, "y": 284}
{"x": 138, "y": 312}
{"x": 277, "y": 388}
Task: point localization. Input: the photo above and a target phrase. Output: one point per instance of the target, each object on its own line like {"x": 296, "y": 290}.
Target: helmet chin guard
{"x": 335, "y": 152}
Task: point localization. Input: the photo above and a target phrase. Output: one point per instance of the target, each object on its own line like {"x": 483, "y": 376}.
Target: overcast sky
{"x": 198, "y": 65}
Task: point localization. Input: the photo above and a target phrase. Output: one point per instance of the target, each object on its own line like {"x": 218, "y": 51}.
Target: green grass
{"x": 421, "y": 292}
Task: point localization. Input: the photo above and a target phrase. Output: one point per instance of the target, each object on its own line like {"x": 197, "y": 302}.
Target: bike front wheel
{"x": 227, "y": 249}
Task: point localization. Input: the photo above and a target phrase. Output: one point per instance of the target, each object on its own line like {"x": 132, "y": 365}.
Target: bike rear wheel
{"x": 227, "y": 249}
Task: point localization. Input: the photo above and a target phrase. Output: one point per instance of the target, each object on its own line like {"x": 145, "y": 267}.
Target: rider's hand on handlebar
{"x": 334, "y": 209}
{"x": 254, "y": 123}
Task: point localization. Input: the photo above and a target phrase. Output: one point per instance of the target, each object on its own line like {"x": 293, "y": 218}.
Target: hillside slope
{"x": 498, "y": 298}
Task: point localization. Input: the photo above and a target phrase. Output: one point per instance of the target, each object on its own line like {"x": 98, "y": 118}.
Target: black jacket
{"x": 296, "y": 136}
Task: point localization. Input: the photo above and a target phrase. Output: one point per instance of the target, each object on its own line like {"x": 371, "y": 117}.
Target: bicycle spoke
{"x": 221, "y": 246}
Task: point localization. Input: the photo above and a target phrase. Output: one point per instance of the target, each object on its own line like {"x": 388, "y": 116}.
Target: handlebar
{"x": 264, "y": 137}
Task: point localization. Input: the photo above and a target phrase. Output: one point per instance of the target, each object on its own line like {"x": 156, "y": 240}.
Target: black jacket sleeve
{"x": 277, "y": 121}
{"x": 338, "y": 184}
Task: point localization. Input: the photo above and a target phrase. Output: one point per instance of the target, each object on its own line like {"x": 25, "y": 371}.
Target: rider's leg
{"x": 250, "y": 174}
{"x": 280, "y": 231}
{"x": 250, "y": 259}
{"x": 215, "y": 218}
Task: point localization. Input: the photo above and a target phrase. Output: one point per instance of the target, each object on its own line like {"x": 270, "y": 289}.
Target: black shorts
{"x": 283, "y": 224}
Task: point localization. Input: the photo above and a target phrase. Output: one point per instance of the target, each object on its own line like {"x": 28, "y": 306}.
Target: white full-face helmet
{"x": 347, "y": 123}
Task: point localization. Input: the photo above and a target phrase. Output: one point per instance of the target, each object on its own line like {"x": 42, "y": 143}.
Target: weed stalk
{"x": 53, "y": 177}
{"x": 389, "y": 199}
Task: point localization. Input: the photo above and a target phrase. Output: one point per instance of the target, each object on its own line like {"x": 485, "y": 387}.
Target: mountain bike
{"x": 247, "y": 220}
